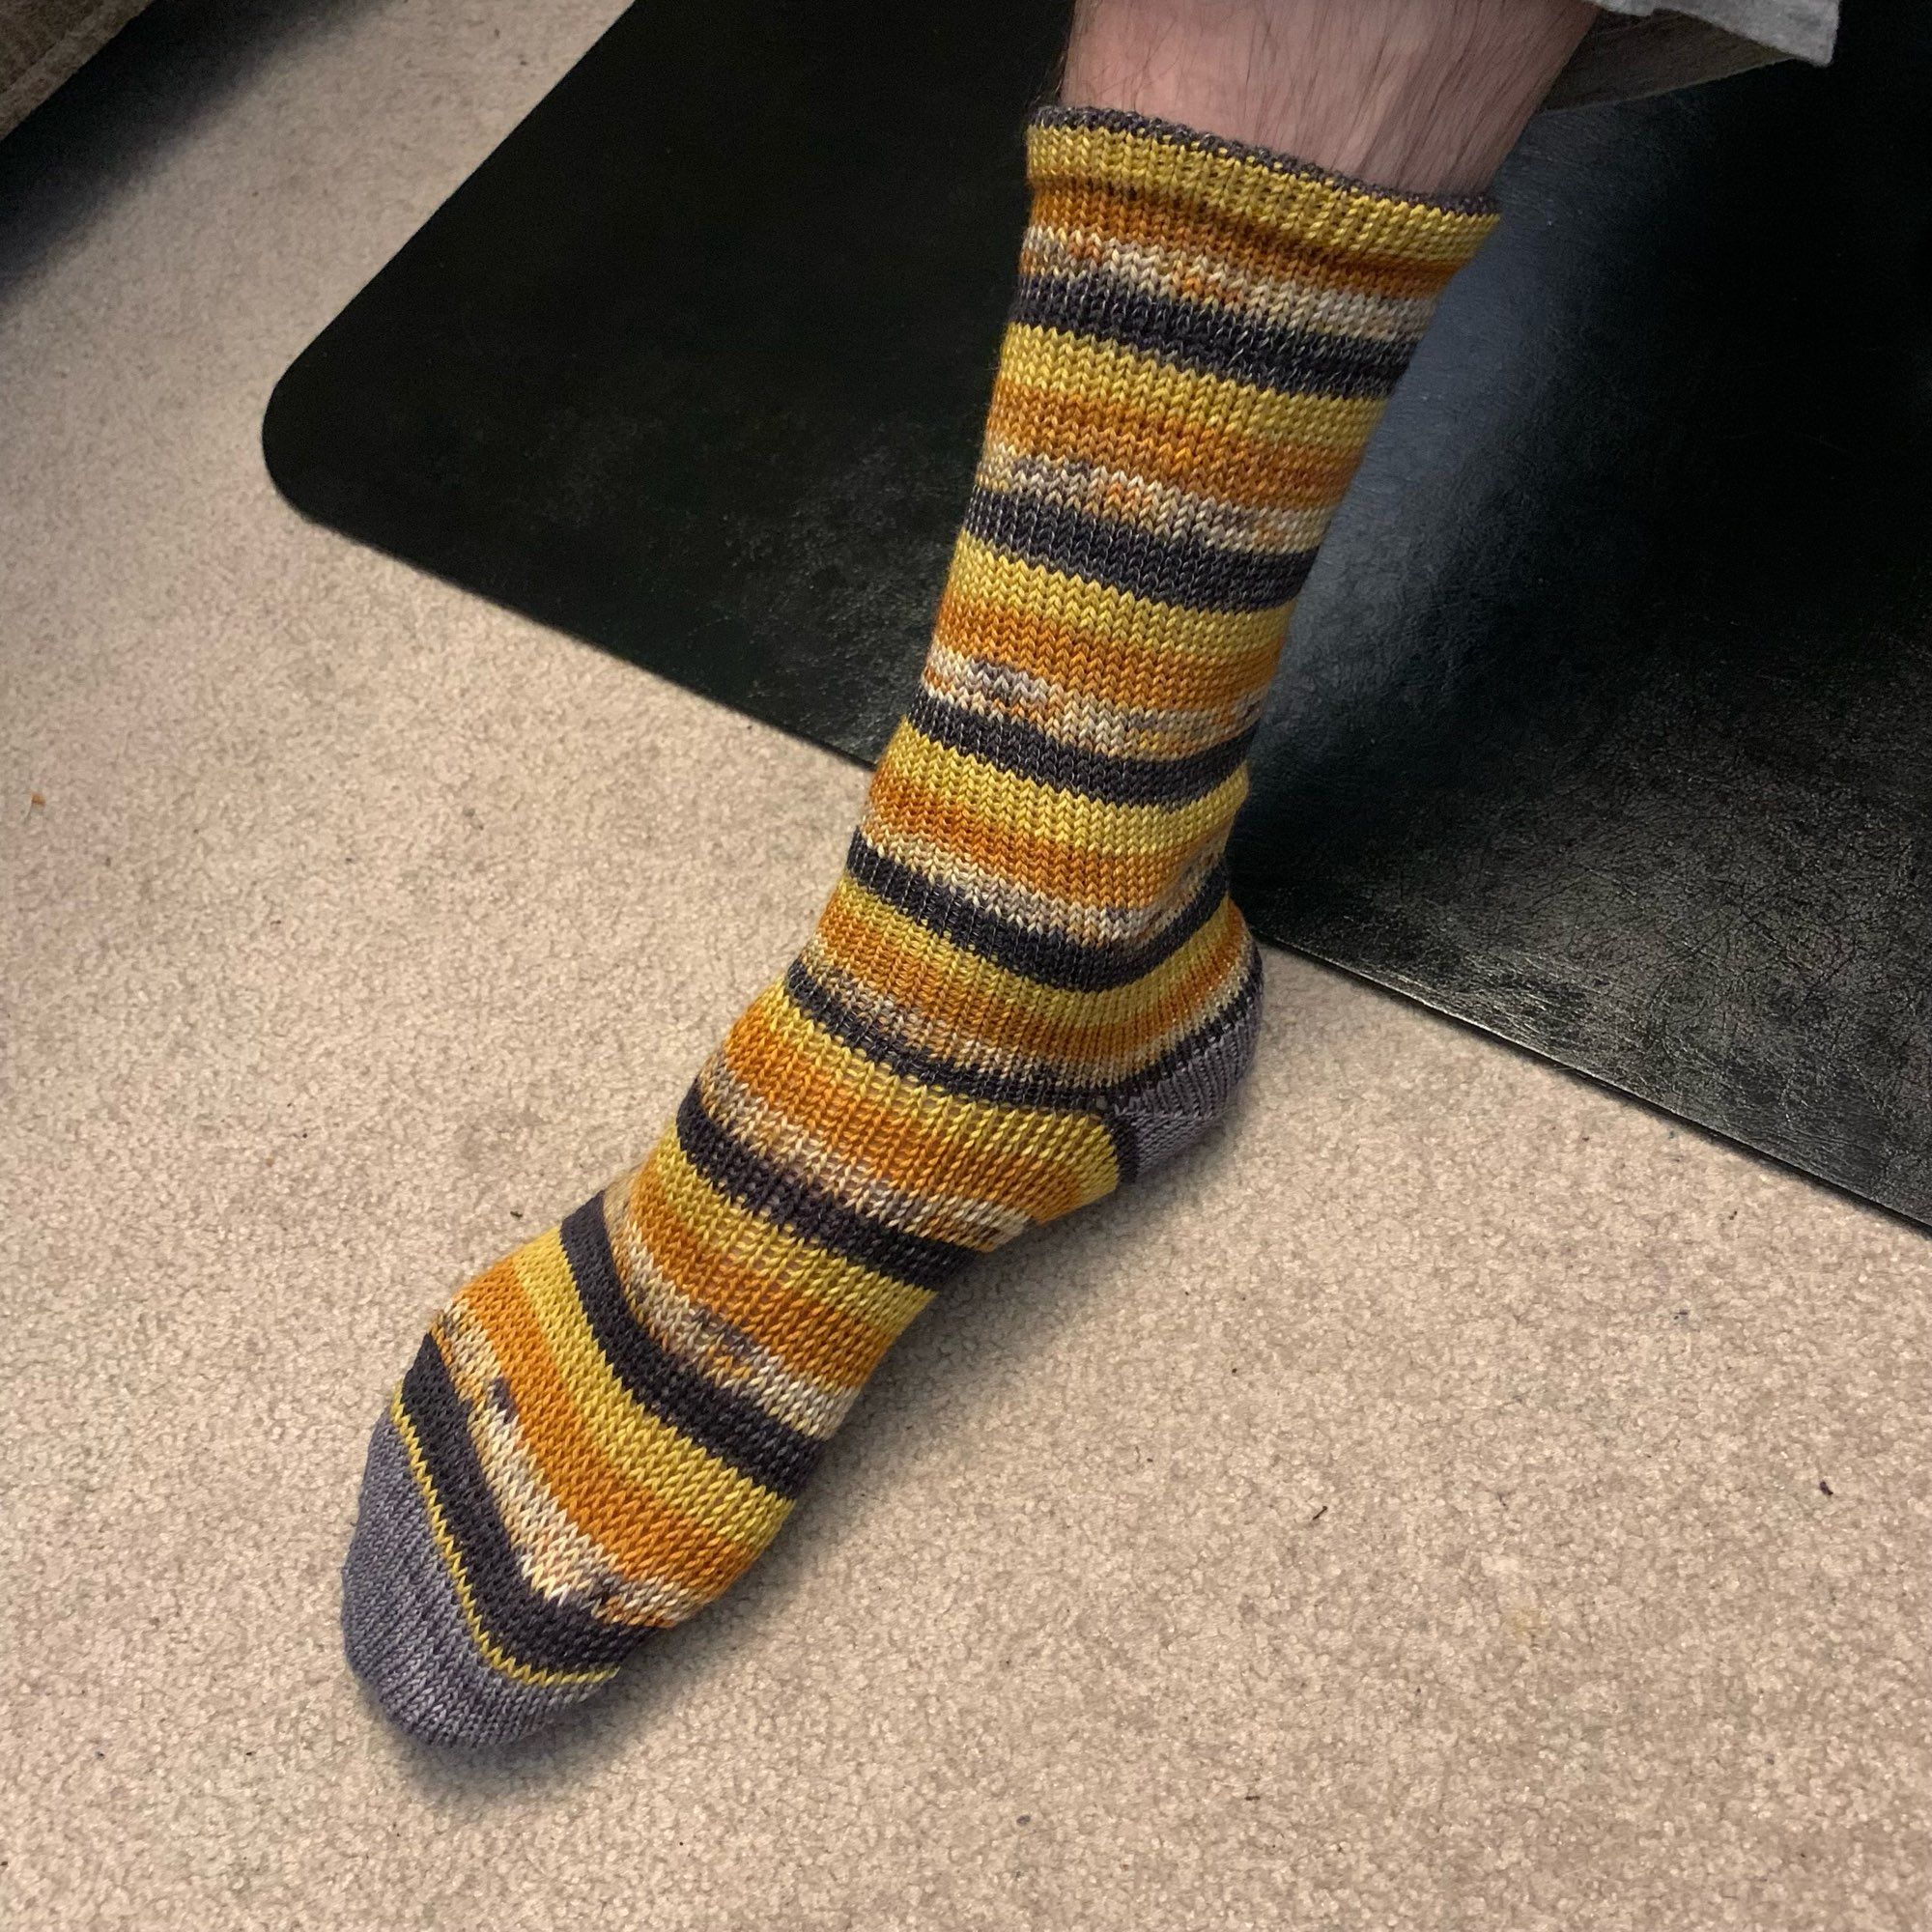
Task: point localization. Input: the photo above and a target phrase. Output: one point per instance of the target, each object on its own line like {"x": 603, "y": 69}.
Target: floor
{"x": 1458, "y": 1497}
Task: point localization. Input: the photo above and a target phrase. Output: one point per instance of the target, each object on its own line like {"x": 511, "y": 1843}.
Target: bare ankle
{"x": 1426, "y": 96}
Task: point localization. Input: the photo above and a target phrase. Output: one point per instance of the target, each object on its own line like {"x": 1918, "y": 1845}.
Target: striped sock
{"x": 1027, "y": 985}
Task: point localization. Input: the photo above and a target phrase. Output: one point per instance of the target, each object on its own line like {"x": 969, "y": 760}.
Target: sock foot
{"x": 405, "y": 1630}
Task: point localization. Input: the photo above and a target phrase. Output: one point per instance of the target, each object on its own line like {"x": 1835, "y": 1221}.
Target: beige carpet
{"x": 41, "y": 41}
{"x": 1459, "y": 1499}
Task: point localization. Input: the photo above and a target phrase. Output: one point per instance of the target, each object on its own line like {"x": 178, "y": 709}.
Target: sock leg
{"x": 1027, "y": 985}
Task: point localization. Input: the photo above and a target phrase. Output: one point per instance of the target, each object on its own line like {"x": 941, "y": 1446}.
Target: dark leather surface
{"x": 1608, "y": 725}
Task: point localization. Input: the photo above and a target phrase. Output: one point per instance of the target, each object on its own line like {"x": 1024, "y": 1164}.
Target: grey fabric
{"x": 404, "y": 1630}
{"x": 1639, "y": 47}
{"x": 1803, "y": 28}
{"x": 1169, "y": 1118}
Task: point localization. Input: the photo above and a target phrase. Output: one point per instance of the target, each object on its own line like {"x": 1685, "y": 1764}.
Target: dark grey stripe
{"x": 790, "y": 1202}
{"x": 535, "y": 1629}
{"x": 1027, "y": 751}
{"x": 1049, "y": 958}
{"x": 732, "y": 1425}
{"x": 1213, "y": 341}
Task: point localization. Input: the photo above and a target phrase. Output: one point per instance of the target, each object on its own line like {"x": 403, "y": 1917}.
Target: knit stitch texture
{"x": 1029, "y": 985}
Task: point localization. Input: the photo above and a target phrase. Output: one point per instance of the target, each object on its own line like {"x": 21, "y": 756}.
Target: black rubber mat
{"x": 1608, "y": 724}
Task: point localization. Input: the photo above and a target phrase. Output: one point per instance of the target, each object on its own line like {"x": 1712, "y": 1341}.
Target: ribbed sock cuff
{"x": 1230, "y": 183}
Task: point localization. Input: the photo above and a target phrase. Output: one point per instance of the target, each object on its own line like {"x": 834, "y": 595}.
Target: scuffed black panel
{"x": 1608, "y": 724}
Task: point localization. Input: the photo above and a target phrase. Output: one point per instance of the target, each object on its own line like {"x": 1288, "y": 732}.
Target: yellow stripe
{"x": 981, "y": 575}
{"x": 971, "y": 977}
{"x": 1318, "y": 208}
{"x": 808, "y": 1272}
{"x": 1051, "y": 364}
{"x": 493, "y": 1653}
{"x": 639, "y": 1446}
{"x": 1040, "y": 811}
{"x": 1077, "y": 1144}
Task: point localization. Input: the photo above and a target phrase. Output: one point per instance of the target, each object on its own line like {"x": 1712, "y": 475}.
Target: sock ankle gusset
{"x": 1028, "y": 986}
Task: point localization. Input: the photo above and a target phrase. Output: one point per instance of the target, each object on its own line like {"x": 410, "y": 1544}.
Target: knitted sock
{"x": 1027, "y": 985}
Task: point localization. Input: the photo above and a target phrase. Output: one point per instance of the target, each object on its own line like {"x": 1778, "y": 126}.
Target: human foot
{"x": 1028, "y": 986}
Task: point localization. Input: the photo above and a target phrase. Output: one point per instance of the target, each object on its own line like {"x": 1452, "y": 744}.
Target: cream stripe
{"x": 1117, "y": 730}
{"x": 1281, "y": 301}
{"x": 558, "y": 1557}
{"x": 1163, "y": 508}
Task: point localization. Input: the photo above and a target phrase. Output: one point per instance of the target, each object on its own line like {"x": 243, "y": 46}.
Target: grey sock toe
{"x": 405, "y": 1632}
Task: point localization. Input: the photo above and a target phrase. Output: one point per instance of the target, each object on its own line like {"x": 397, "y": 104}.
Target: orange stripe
{"x": 934, "y": 979}
{"x": 809, "y": 1337}
{"x": 1064, "y": 869}
{"x": 1150, "y": 216}
{"x": 644, "y": 1536}
{"x": 1005, "y": 1157}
